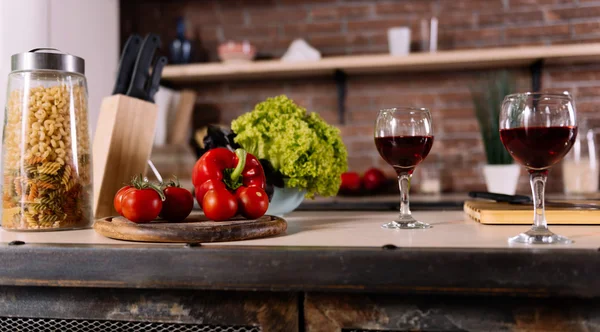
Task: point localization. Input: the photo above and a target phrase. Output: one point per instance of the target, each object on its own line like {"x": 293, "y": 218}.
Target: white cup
{"x": 399, "y": 40}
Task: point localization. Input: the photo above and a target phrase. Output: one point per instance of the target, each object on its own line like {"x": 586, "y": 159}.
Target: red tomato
{"x": 206, "y": 186}
{"x": 219, "y": 205}
{"x": 373, "y": 179}
{"x": 350, "y": 182}
{"x": 141, "y": 205}
{"x": 253, "y": 202}
{"x": 119, "y": 197}
{"x": 178, "y": 204}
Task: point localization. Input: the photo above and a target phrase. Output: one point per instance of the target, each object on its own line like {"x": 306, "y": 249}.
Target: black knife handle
{"x": 130, "y": 52}
{"x": 154, "y": 82}
{"x": 139, "y": 79}
{"x": 513, "y": 199}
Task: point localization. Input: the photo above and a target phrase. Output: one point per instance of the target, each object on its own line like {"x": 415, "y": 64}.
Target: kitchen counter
{"x": 347, "y": 255}
{"x": 321, "y": 250}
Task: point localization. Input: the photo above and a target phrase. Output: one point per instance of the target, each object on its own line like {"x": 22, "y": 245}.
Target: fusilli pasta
{"x": 47, "y": 175}
{"x": 49, "y": 168}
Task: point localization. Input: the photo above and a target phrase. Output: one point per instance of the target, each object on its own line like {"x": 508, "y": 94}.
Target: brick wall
{"x": 338, "y": 27}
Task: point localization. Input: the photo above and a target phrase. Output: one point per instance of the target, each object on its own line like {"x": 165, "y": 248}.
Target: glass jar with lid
{"x": 581, "y": 166}
{"x": 46, "y": 156}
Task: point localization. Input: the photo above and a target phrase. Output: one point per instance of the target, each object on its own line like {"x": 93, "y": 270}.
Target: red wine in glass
{"x": 404, "y": 153}
{"x": 404, "y": 137}
{"x": 538, "y": 129}
{"x": 538, "y": 148}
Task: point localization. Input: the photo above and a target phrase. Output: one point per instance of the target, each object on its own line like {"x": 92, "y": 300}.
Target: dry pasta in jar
{"x": 46, "y": 153}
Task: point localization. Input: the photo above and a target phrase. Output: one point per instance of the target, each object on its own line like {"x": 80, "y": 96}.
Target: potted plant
{"x": 501, "y": 174}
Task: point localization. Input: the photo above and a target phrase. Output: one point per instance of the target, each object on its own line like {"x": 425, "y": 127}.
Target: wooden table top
{"x": 451, "y": 229}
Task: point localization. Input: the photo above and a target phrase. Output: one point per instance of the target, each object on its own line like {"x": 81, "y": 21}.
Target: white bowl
{"x": 285, "y": 200}
{"x": 232, "y": 52}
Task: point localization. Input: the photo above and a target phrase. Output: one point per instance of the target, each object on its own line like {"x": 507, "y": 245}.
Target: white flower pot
{"x": 285, "y": 200}
{"x": 502, "y": 179}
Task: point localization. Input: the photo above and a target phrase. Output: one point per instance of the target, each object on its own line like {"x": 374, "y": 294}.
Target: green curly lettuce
{"x": 307, "y": 151}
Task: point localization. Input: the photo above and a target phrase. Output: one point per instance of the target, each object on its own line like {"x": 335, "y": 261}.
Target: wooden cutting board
{"x": 195, "y": 229}
{"x": 488, "y": 212}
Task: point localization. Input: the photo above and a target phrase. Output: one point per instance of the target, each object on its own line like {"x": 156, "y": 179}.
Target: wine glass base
{"x": 539, "y": 236}
{"x": 413, "y": 224}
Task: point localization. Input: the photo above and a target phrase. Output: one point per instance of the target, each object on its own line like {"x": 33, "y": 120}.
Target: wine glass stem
{"x": 538, "y": 187}
{"x": 404, "y": 184}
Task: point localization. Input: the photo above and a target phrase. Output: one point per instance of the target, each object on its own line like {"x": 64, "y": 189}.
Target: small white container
{"x": 429, "y": 178}
{"x": 502, "y": 179}
{"x": 399, "y": 40}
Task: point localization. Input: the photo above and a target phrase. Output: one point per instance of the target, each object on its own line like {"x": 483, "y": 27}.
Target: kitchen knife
{"x": 154, "y": 81}
{"x": 130, "y": 52}
{"x": 526, "y": 200}
{"x": 139, "y": 79}
{"x": 513, "y": 199}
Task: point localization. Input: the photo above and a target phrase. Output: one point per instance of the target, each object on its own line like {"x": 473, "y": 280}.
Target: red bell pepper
{"x": 221, "y": 168}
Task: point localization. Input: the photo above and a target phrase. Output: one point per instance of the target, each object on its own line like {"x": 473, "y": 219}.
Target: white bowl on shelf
{"x": 232, "y": 52}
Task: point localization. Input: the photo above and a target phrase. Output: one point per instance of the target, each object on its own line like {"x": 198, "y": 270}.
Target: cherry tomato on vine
{"x": 119, "y": 197}
{"x": 219, "y": 204}
{"x": 178, "y": 203}
{"x": 253, "y": 202}
{"x": 141, "y": 205}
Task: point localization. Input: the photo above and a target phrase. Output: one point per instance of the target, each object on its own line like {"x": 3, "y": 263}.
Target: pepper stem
{"x": 237, "y": 171}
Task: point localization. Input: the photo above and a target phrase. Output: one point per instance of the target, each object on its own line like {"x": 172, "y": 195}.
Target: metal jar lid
{"x": 41, "y": 59}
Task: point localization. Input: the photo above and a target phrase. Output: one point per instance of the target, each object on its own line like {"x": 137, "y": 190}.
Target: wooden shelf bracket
{"x": 536, "y": 69}
{"x": 341, "y": 82}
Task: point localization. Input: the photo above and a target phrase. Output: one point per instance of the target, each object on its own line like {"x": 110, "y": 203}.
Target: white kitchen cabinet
{"x": 86, "y": 28}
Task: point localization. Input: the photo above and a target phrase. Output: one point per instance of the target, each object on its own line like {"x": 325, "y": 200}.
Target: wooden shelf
{"x": 384, "y": 63}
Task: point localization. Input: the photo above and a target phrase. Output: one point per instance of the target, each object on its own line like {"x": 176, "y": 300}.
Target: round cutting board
{"x": 195, "y": 229}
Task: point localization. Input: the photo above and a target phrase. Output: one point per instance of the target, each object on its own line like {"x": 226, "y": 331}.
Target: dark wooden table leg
{"x": 358, "y": 312}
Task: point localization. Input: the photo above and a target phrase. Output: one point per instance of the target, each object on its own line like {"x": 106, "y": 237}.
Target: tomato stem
{"x": 160, "y": 193}
{"x": 139, "y": 182}
{"x": 174, "y": 182}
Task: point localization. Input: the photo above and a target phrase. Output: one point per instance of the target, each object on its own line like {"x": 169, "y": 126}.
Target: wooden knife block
{"x": 122, "y": 145}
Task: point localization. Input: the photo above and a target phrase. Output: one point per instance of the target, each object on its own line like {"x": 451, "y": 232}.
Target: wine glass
{"x": 538, "y": 129}
{"x": 404, "y": 137}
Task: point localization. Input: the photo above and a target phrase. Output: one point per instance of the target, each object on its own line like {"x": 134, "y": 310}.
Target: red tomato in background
{"x": 253, "y": 202}
{"x": 119, "y": 197}
{"x": 178, "y": 204}
{"x": 219, "y": 205}
{"x": 141, "y": 205}
{"x": 350, "y": 182}
{"x": 373, "y": 179}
